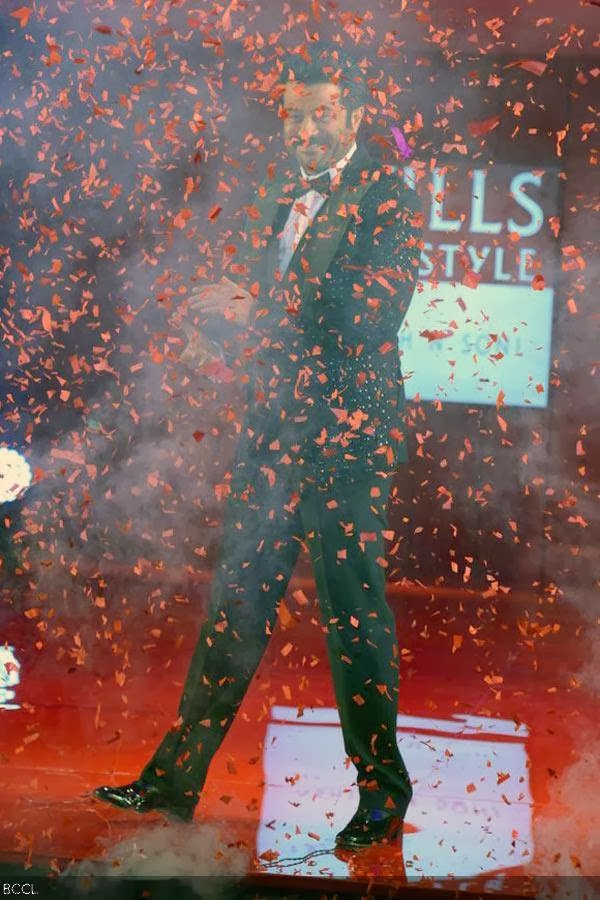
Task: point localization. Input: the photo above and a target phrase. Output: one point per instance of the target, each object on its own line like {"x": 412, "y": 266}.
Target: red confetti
{"x": 22, "y": 14}
{"x": 538, "y": 283}
{"x": 435, "y": 334}
{"x": 478, "y": 129}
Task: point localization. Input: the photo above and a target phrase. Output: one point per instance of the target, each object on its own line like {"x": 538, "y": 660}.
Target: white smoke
{"x": 203, "y": 857}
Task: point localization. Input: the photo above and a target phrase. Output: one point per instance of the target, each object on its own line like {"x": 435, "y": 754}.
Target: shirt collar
{"x": 333, "y": 170}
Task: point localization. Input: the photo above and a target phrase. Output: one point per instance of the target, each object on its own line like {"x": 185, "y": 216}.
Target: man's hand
{"x": 206, "y": 300}
{"x": 224, "y": 298}
{"x": 199, "y": 350}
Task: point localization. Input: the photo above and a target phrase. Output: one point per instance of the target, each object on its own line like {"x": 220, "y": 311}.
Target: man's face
{"x": 317, "y": 128}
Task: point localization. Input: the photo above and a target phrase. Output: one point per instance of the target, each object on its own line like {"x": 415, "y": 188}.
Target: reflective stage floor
{"x": 498, "y": 724}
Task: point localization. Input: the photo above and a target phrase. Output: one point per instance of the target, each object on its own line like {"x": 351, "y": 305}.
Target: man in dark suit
{"x": 331, "y": 255}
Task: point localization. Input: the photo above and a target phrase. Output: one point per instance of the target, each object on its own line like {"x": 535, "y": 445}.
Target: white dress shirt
{"x": 304, "y": 210}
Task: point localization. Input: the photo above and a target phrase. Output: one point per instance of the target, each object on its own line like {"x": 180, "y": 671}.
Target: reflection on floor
{"x": 497, "y": 726}
{"x": 461, "y": 772}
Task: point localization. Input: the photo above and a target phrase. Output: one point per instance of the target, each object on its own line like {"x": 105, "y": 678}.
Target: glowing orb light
{"x": 15, "y": 474}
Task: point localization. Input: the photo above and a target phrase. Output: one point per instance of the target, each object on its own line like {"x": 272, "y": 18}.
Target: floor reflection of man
{"x": 334, "y": 248}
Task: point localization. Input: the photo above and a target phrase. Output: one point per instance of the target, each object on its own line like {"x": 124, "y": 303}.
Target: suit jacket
{"x": 325, "y": 388}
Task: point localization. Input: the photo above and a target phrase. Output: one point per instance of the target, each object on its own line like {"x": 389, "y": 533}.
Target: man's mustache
{"x": 322, "y": 146}
{"x": 297, "y": 142}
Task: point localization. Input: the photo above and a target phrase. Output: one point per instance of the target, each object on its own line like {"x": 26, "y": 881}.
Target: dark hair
{"x": 319, "y": 61}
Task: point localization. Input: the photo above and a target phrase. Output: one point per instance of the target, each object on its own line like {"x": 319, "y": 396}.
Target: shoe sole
{"x": 383, "y": 841}
{"x": 168, "y": 811}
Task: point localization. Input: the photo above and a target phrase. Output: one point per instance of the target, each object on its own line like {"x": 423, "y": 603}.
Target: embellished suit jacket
{"x": 325, "y": 388}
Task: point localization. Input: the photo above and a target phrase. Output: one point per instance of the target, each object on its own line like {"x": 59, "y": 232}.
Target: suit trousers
{"x": 268, "y": 518}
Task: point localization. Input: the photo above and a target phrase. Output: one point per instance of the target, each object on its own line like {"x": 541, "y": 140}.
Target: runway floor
{"x": 498, "y": 724}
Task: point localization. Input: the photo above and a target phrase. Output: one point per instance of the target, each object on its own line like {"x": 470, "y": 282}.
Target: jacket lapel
{"x": 318, "y": 246}
{"x": 269, "y": 214}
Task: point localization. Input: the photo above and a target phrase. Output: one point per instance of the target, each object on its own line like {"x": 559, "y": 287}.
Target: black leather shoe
{"x": 369, "y": 826}
{"x": 142, "y": 797}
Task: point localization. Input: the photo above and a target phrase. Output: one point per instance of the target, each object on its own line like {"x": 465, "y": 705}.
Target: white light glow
{"x": 10, "y": 669}
{"x": 15, "y": 474}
